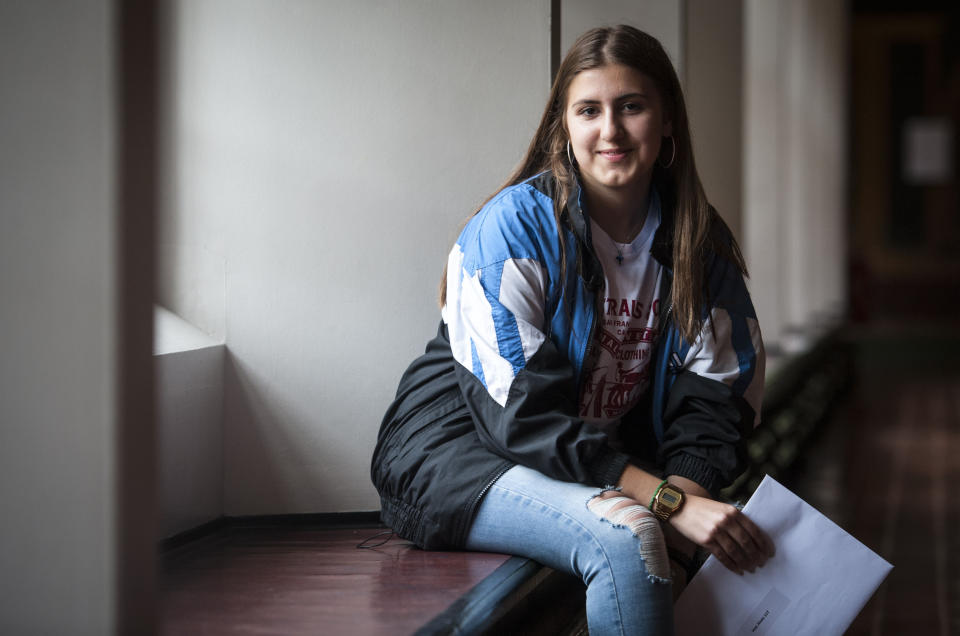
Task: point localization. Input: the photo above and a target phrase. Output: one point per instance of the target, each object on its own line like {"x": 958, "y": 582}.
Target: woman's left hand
{"x": 725, "y": 531}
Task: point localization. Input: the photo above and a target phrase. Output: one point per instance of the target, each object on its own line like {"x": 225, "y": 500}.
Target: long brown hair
{"x": 695, "y": 221}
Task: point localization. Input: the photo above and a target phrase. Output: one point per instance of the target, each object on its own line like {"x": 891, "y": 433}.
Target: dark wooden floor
{"x": 300, "y": 581}
{"x": 886, "y": 467}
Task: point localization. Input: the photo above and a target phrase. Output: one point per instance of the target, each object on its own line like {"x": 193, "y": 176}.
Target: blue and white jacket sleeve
{"x": 518, "y": 386}
{"x": 715, "y": 399}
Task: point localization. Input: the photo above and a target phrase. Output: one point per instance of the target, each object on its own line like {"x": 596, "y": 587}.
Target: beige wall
{"x": 795, "y": 166}
{"x": 662, "y": 19}
{"x": 58, "y": 383}
{"x": 714, "y": 94}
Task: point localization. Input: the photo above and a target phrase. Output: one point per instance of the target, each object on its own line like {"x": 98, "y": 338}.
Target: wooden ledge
{"x": 298, "y": 579}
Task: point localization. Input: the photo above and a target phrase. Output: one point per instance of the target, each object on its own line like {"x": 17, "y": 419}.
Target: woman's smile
{"x": 615, "y": 155}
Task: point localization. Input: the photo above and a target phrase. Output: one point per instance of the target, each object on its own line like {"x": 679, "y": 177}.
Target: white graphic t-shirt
{"x": 627, "y": 324}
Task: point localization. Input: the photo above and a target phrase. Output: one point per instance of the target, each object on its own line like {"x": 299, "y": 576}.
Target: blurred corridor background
{"x": 223, "y": 224}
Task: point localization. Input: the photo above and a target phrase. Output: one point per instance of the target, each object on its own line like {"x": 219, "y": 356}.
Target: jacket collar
{"x": 588, "y": 264}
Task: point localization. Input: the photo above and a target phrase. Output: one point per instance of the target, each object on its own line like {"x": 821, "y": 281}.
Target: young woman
{"x": 598, "y": 363}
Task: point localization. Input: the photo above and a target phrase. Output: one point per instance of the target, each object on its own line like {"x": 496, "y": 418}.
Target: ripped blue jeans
{"x": 528, "y": 514}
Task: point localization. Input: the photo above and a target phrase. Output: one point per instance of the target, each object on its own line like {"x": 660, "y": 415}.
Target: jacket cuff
{"x": 607, "y": 466}
{"x": 695, "y": 469}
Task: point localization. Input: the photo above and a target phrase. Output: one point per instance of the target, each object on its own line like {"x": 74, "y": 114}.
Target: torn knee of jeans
{"x": 606, "y": 491}
{"x": 623, "y": 512}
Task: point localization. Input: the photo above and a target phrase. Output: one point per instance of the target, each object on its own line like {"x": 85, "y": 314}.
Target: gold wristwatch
{"x": 668, "y": 500}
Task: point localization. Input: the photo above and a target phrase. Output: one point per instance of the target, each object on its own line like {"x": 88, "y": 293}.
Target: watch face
{"x": 670, "y": 498}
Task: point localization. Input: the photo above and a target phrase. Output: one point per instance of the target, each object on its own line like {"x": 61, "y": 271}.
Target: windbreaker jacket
{"x": 499, "y": 385}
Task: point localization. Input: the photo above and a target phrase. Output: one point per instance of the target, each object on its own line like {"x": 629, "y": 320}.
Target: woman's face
{"x": 615, "y": 120}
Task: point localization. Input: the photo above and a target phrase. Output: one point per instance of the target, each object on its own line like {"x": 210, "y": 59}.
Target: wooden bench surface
{"x": 311, "y": 581}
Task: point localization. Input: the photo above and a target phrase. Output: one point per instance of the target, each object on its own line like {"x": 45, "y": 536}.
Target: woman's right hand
{"x": 725, "y": 531}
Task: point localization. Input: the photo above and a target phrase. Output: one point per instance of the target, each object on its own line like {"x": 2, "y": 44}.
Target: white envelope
{"x": 817, "y": 583}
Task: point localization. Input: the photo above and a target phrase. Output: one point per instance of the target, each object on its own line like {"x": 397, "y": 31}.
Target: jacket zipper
{"x": 665, "y": 320}
{"x": 468, "y": 519}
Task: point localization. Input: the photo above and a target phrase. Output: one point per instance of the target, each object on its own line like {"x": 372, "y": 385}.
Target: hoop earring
{"x": 673, "y": 154}
{"x": 570, "y": 155}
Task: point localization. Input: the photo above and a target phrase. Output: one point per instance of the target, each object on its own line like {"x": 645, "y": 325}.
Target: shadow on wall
{"x": 254, "y": 446}
{"x": 275, "y": 461}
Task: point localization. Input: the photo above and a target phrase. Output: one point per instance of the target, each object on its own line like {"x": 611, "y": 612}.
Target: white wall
{"x": 321, "y": 158}
{"x": 57, "y": 372}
